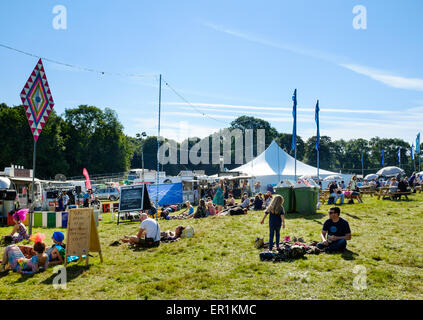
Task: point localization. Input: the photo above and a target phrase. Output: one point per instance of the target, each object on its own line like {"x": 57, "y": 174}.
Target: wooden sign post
{"x": 82, "y": 235}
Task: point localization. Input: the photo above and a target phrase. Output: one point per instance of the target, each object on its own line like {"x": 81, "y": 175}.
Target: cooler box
{"x": 58, "y": 219}
{"x": 65, "y": 219}
{"x": 306, "y": 200}
{"x": 38, "y": 219}
{"x": 51, "y": 220}
{"x": 288, "y": 195}
{"x": 106, "y": 207}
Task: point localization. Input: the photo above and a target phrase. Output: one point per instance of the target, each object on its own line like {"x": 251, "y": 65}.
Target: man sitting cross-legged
{"x": 149, "y": 234}
{"x": 337, "y": 231}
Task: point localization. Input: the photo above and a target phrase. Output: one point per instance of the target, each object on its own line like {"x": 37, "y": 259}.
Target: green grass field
{"x": 220, "y": 262}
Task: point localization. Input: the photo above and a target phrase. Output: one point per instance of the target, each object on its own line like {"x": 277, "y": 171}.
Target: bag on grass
{"x": 188, "y": 232}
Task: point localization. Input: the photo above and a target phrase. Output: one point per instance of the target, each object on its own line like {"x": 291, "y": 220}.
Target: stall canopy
{"x": 274, "y": 164}
{"x": 169, "y": 193}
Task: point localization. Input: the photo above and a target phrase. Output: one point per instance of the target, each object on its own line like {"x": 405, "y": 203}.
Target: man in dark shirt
{"x": 337, "y": 231}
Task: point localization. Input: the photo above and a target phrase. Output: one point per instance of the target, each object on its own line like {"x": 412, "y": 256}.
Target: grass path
{"x": 220, "y": 262}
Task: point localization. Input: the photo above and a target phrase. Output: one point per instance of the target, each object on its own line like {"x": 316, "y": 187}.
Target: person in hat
{"x": 56, "y": 253}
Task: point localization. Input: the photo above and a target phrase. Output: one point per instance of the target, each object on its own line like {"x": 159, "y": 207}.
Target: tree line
{"x": 88, "y": 137}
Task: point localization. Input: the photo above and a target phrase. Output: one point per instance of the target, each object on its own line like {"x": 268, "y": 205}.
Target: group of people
{"x": 28, "y": 259}
{"x": 338, "y": 191}
{"x": 334, "y": 234}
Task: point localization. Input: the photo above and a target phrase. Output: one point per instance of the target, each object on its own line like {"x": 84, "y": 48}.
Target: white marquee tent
{"x": 274, "y": 165}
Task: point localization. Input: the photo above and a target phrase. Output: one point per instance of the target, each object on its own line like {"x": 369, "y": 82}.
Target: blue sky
{"x": 228, "y": 58}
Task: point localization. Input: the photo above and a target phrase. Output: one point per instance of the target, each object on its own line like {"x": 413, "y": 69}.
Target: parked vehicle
{"x": 111, "y": 194}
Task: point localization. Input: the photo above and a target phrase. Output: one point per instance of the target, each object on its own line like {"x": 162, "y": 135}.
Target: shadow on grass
{"x": 346, "y": 254}
{"x": 307, "y": 216}
{"x": 72, "y": 272}
{"x": 351, "y": 215}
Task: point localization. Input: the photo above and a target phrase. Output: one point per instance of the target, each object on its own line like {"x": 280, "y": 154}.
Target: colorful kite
{"x": 37, "y": 100}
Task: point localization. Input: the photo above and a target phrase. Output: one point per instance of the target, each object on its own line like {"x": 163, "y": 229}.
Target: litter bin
{"x": 288, "y": 194}
{"x": 306, "y": 200}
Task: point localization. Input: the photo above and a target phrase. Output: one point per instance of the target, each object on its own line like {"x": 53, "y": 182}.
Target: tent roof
{"x": 274, "y": 161}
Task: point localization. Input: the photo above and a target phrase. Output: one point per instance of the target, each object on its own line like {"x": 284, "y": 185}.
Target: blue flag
{"x": 294, "y": 129}
{"x": 383, "y": 157}
{"x": 316, "y": 116}
{"x": 399, "y": 155}
{"x": 418, "y": 143}
{"x": 411, "y": 150}
{"x": 362, "y": 159}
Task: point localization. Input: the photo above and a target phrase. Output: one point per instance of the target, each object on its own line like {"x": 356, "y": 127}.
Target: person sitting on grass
{"x": 231, "y": 201}
{"x": 276, "y": 219}
{"x": 258, "y": 203}
{"x": 211, "y": 208}
{"x": 245, "y": 204}
{"x": 267, "y": 199}
{"x": 335, "y": 232}
{"x": 148, "y": 235}
{"x": 188, "y": 208}
{"x": 56, "y": 253}
{"x": 19, "y": 263}
{"x": 19, "y": 232}
{"x": 336, "y": 193}
{"x": 201, "y": 211}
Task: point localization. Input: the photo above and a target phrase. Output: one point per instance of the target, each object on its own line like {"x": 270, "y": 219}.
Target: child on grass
{"x": 276, "y": 219}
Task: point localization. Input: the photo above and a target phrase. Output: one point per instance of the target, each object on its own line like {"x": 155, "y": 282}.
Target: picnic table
{"x": 396, "y": 195}
{"x": 367, "y": 190}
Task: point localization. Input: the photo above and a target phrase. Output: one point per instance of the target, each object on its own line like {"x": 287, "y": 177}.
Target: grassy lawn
{"x": 220, "y": 262}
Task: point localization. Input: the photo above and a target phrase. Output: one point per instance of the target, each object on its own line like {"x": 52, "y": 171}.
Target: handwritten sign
{"x": 82, "y": 235}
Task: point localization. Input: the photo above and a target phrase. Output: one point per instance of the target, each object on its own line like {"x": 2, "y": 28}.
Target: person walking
{"x": 276, "y": 214}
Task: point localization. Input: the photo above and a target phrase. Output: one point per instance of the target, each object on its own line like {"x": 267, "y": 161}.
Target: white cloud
{"x": 386, "y": 78}
{"x": 211, "y": 106}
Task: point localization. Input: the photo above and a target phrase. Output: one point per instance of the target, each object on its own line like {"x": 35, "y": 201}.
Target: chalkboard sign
{"x": 82, "y": 235}
{"x": 134, "y": 198}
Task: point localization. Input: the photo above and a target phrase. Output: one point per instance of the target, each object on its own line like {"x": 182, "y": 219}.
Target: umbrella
{"x": 333, "y": 177}
{"x": 390, "y": 171}
{"x": 371, "y": 176}
{"x": 308, "y": 176}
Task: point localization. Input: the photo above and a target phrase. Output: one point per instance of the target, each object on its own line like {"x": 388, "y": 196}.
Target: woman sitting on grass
{"x": 258, "y": 203}
{"x": 17, "y": 261}
{"x": 19, "y": 228}
{"x": 231, "y": 201}
{"x": 201, "y": 211}
{"x": 276, "y": 219}
{"x": 211, "y": 209}
{"x": 184, "y": 214}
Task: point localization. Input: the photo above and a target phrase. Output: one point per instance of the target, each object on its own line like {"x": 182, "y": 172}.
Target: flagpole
{"x": 362, "y": 165}
{"x": 31, "y": 209}
{"x": 158, "y": 147}
{"x": 318, "y": 164}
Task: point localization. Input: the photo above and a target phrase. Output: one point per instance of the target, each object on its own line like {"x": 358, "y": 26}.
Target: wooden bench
{"x": 398, "y": 195}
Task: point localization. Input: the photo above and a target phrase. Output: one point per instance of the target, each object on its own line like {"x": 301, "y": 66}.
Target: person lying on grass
{"x": 56, "y": 253}
{"x": 17, "y": 261}
{"x": 276, "y": 219}
{"x": 169, "y": 235}
{"x": 335, "y": 232}
{"x": 233, "y": 211}
{"x": 148, "y": 235}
